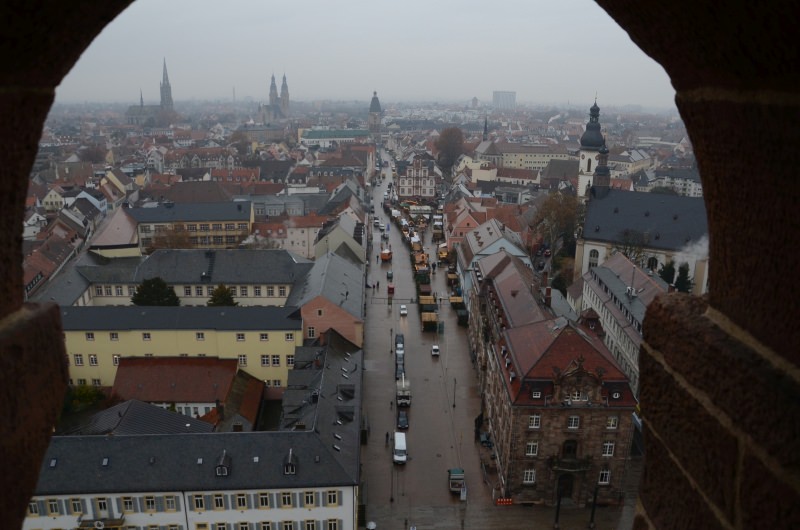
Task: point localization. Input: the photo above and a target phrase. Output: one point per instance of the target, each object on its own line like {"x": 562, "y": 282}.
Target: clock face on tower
{"x": 583, "y": 156}
{"x": 595, "y": 157}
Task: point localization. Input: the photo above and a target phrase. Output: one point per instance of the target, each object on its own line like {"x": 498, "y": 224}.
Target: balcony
{"x": 569, "y": 464}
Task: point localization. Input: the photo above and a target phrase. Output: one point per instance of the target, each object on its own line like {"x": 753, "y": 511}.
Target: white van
{"x": 399, "y": 452}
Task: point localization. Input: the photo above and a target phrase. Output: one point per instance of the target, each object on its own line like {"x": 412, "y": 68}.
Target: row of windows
{"x": 200, "y": 335}
{"x": 329, "y": 524}
{"x": 529, "y": 476}
{"x": 170, "y": 503}
{"x": 573, "y": 422}
{"x": 199, "y": 290}
{"x": 266, "y": 359}
{"x": 204, "y": 227}
{"x": 532, "y": 448}
{"x": 202, "y": 240}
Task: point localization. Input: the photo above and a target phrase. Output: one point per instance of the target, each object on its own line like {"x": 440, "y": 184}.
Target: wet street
{"x": 445, "y": 403}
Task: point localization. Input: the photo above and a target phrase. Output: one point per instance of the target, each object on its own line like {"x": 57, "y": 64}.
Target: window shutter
{"x": 209, "y": 504}
{"x": 42, "y": 508}
{"x": 119, "y": 504}
{"x": 160, "y": 503}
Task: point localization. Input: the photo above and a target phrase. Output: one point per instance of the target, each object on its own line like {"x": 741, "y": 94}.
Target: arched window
{"x": 652, "y": 264}
{"x": 594, "y": 256}
{"x": 588, "y": 165}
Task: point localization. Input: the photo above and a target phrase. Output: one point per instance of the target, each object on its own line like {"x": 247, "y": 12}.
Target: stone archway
{"x": 737, "y": 93}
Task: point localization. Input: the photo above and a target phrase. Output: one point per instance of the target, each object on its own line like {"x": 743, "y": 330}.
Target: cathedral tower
{"x": 166, "y": 90}
{"x": 374, "y": 120}
{"x": 273, "y": 93}
{"x": 591, "y": 142}
{"x": 284, "y": 98}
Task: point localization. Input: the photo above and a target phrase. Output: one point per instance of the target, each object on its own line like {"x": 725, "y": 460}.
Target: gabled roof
{"x": 542, "y": 350}
{"x": 137, "y": 417}
{"x": 174, "y": 379}
{"x": 661, "y": 221}
{"x": 186, "y": 212}
{"x": 240, "y": 318}
{"x": 334, "y": 278}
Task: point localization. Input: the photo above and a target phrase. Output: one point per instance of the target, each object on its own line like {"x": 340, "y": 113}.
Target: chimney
{"x": 547, "y": 297}
{"x": 544, "y": 278}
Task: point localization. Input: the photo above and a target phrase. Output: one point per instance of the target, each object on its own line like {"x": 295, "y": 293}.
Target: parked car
{"x": 389, "y": 274}
{"x": 381, "y": 227}
{"x": 376, "y": 222}
{"x": 435, "y": 350}
{"x": 402, "y": 419}
{"x": 403, "y": 310}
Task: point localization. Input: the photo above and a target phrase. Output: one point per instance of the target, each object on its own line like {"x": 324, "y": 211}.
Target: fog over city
{"x": 547, "y": 51}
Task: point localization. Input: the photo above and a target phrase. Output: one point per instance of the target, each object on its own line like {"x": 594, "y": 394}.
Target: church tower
{"x": 591, "y": 142}
{"x": 284, "y": 98}
{"x": 273, "y": 93}
{"x": 601, "y": 182}
{"x": 374, "y": 120}
{"x": 166, "y": 90}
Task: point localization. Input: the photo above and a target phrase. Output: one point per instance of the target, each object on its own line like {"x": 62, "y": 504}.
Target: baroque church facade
{"x": 152, "y": 115}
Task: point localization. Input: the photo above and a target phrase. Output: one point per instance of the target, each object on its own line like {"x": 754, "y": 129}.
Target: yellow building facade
{"x": 262, "y": 339}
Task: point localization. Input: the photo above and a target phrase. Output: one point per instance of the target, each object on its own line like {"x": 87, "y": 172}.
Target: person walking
{"x": 387, "y": 439}
{"x": 391, "y": 405}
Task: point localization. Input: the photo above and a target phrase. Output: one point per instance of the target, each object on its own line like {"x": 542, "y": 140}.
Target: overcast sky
{"x": 547, "y": 51}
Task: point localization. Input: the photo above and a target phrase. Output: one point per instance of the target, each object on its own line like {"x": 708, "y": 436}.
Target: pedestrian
{"x": 379, "y": 284}
{"x": 391, "y": 405}
{"x": 387, "y": 438}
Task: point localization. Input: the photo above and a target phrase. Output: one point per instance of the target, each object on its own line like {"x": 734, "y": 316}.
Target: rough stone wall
{"x": 719, "y": 380}
{"x": 40, "y": 44}
{"x": 730, "y": 360}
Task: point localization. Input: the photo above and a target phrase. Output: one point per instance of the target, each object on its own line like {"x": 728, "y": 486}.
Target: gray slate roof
{"x": 667, "y": 222}
{"x": 186, "y": 462}
{"x": 117, "y": 318}
{"x": 231, "y": 267}
{"x": 136, "y": 417}
{"x": 331, "y": 277}
{"x": 184, "y": 212}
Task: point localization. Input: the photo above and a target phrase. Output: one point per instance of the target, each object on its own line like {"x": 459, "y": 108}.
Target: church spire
{"x": 273, "y": 93}
{"x": 485, "y": 128}
{"x": 284, "y": 98}
{"x": 141, "y": 98}
{"x": 166, "y": 90}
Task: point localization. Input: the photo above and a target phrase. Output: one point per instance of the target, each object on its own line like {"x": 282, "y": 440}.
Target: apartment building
{"x": 556, "y": 404}
{"x": 193, "y": 225}
{"x": 618, "y": 293}
{"x": 259, "y": 277}
{"x": 262, "y": 339}
{"x": 303, "y": 476}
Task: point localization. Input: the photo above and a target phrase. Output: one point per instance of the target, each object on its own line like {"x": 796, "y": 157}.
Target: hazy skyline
{"x": 548, "y": 52}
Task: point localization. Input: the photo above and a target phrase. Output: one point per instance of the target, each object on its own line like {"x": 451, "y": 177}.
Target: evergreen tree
{"x": 222, "y": 296}
{"x": 667, "y": 272}
{"x": 155, "y": 292}
{"x": 683, "y": 283}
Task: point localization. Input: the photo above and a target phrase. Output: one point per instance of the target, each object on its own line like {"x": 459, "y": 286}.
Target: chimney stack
{"x": 544, "y": 278}
{"x": 547, "y": 297}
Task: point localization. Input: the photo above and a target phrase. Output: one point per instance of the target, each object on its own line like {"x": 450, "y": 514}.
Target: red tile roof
{"x": 174, "y": 379}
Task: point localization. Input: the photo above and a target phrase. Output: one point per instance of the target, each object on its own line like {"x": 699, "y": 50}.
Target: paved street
{"x": 445, "y": 403}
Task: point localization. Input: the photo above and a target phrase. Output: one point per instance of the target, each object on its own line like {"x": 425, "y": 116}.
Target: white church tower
{"x": 591, "y": 142}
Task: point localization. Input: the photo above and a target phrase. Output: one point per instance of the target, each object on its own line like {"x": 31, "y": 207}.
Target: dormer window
{"x": 289, "y": 469}
{"x": 223, "y": 466}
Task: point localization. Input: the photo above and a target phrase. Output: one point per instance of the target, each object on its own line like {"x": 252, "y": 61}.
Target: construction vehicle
{"x": 403, "y": 397}
{"x": 455, "y": 478}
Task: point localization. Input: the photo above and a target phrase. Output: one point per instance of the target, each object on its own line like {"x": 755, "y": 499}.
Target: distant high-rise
{"x": 504, "y": 100}
{"x": 166, "y": 90}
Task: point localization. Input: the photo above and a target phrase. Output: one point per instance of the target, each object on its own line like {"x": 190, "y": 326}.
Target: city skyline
{"x": 568, "y": 54}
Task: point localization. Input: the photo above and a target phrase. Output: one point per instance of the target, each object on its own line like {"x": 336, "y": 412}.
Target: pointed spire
{"x": 165, "y": 79}
{"x": 485, "y": 128}
{"x": 141, "y": 98}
